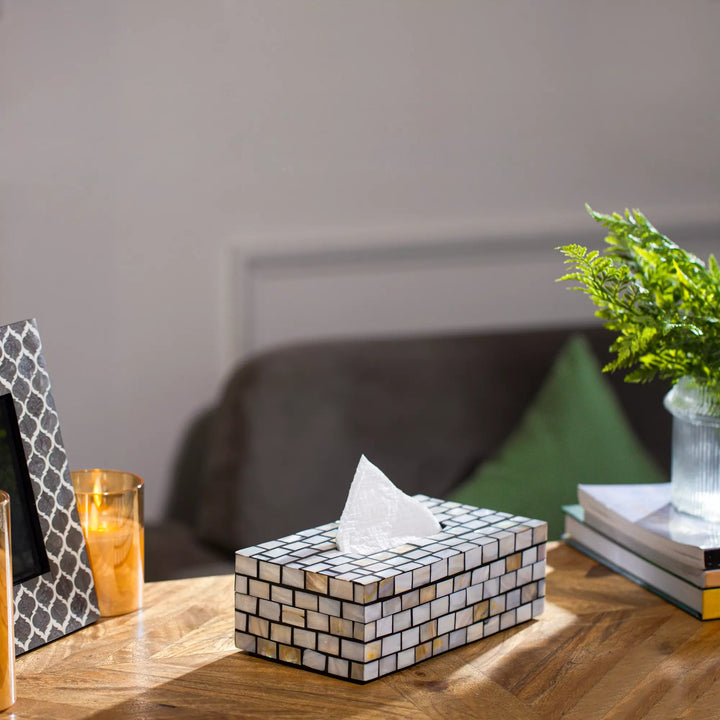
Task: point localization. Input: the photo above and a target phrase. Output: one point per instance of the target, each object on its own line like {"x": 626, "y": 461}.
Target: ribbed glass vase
{"x": 695, "y": 471}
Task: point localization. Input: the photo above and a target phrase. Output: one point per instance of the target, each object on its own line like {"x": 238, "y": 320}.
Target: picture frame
{"x": 54, "y": 591}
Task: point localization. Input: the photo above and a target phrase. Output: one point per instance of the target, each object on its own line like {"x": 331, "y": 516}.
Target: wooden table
{"x": 604, "y": 648}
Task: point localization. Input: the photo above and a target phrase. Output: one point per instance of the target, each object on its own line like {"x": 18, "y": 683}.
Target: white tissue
{"x": 377, "y": 516}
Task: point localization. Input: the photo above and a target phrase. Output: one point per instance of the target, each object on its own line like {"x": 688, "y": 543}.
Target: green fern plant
{"x": 663, "y": 302}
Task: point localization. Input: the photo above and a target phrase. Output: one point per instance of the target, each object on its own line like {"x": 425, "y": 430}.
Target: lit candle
{"x": 7, "y": 635}
{"x": 110, "y": 508}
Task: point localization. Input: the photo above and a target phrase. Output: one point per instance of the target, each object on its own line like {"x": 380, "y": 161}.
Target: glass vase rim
{"x": 695, "y": 400}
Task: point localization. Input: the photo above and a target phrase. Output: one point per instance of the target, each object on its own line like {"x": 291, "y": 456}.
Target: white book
{"x": 703, "y": 603}
{"x": 695, "y": 575}
{"x": 643, "y": 519}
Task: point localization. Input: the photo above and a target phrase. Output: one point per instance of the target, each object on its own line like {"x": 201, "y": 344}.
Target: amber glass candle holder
{"x": 110, "y": 505}
{"x": 7, "y": 609}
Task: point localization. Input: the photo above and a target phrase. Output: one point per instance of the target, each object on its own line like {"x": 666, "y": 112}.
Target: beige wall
{"x": 143, "y": 142}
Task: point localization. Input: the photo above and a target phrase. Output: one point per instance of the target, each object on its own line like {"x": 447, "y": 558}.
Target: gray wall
{"x": 144, "y": 144}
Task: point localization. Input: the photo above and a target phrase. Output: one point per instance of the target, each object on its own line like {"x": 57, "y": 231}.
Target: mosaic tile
{"x": 281, "y": 633}
{"x": 258, "y": 627}
{"x": 458, "y": 638}
{"x": 293, "y": 616}
{"x": 481, "y": 610}
{"x": 446, "y": 624}
{"x": 406, "y": 658}
{"x": 523, "y": 613}
{"x": 304, "y": 638}
{"x": 317, "y": 621}
{"x": 402, "y": 620}
{"x": 245, "y": 603}
{"x": 289, "y": 654}
{"x": 328, "y": 644}
{"x": 267, "y": 648}
{"x": 314, "y": 660}
{"x": 474, "y": 594}
{"x": 299, "y": 600}
{"x": 461, "y": 581}
{"x": 269, "y": 610}
{"x": 508, "y": 619}
{"x": 508, "y": 581}
{"x": 388, "y": 665}
{"x": 340, "y": 626}
{"x": 421, "y": 614}
{"x": 246, "y": 642}
{"x": 475, "y": 632}
{"x": 524, "y": 575}
{"x": 464, "y": 617}
{"x": 491, "y": 626}
{"x": 339, "y": 667}
{"x": 281, "y": 595}
{"x": 491, "y": 587}
{"x": 383, "y": 626}
{"x": 269, "y": 572}
{"x": 411, "y": 599}
{"x": 458, "y": 600}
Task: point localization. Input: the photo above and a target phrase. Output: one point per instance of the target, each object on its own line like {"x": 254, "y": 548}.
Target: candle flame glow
{"x": 96, "y": 505}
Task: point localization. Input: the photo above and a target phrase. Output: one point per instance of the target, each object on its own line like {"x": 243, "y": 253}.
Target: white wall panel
{"x": 396, "y": 289}
{"x": 143, "y": 143}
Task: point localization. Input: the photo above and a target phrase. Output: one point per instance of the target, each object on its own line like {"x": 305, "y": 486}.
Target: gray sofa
{"x": 276, "y": 453}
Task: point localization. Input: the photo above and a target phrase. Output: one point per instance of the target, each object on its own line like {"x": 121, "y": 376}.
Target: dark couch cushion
{"x": 292, "y": 424}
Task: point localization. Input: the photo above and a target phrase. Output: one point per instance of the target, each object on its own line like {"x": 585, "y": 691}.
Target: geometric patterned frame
{"x": 62, "y": 600}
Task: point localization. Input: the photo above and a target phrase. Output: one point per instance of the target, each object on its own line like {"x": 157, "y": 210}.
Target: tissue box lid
{"x": 309, "y": 560}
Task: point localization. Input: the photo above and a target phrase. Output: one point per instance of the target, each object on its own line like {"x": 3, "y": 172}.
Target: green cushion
{"x": 573, "y": 432}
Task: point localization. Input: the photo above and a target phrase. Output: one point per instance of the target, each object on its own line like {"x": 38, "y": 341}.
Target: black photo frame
{"x": 54, "y": 589}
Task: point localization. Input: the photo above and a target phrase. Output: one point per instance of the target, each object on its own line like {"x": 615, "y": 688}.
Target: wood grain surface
{"x": 604, "y": 648}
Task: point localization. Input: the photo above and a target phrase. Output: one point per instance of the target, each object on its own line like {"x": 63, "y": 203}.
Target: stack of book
{"x": 634, "y": 530}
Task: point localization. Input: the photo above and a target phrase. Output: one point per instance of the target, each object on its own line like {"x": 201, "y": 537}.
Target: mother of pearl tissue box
{"x": 300, "y": 600}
